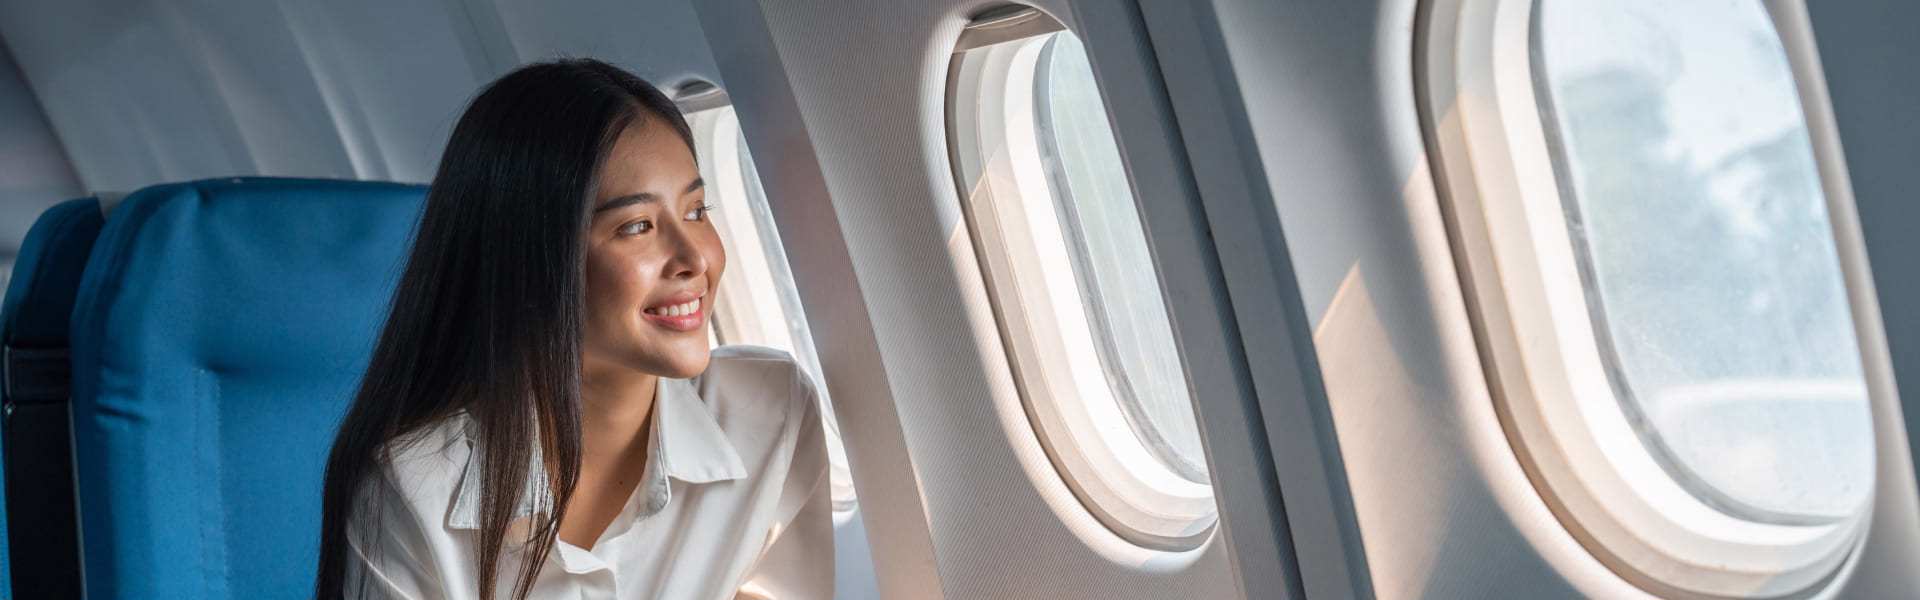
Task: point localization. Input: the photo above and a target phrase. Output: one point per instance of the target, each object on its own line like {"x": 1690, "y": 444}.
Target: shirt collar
{"x": 685, "y": 444}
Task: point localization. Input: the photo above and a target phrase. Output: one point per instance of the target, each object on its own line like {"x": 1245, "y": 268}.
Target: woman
{"x": 542, "y": 416}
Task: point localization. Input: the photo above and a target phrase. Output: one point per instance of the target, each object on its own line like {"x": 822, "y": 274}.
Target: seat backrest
{"x": 39, "y": 543}
{"x": 219, "y": 332}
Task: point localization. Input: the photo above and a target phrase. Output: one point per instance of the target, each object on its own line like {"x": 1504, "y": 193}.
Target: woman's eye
{"x": 635, "y": 228}
{"x": 699, "y": 213}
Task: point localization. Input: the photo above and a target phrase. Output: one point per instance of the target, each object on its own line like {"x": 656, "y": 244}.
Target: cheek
{"x": 716, "y": 253}
{"x": 613, "y": 285}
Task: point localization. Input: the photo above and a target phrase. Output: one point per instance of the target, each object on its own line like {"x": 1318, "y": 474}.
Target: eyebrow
{"x": 644, "y": 197}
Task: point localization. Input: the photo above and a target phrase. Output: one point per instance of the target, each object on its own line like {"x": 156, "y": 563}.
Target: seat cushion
{"x": 218, "y": 336}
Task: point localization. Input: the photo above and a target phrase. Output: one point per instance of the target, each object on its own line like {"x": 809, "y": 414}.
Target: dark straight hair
{"x": 487, "y": 315}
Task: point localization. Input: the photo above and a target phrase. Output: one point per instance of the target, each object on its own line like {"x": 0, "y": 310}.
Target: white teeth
{"x": 677, "y": 310}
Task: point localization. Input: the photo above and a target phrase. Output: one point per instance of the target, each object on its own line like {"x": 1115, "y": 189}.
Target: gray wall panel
{"x": 1329, "y": 86}
{"x": 660, "y": 40}
{"x": 151, "y": 92}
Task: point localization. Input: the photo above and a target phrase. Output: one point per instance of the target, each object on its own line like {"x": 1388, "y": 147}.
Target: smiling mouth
{"x": 685, "y": 316}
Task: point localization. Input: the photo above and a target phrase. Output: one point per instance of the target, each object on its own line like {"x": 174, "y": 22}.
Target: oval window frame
{"x": 1108, "y": 468}
{"x": 1545, "y": 371}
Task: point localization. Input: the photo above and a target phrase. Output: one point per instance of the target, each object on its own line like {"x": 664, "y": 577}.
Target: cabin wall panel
{"x": 151, "y": 92}
{"x": 145, "y": 93}
{"x": 660, "y": 40}
{"x": 1329, "y": 86}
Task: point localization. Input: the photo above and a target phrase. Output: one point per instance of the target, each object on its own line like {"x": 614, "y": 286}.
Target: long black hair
{"x": 488, "y": 313}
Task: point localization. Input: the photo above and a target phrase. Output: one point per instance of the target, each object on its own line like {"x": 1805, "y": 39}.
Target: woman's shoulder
{"x": 426, "y": 463}
{"x": 733, "y": 354}
{"x": 766, "y": 404}
{"x": 744, "y": 376}
{"x": 439, "y": 441}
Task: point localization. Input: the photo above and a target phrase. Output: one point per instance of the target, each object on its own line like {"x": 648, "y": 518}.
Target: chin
{"x": 686, "y": 365}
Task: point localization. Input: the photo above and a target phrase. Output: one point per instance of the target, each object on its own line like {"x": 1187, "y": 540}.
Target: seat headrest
{"x": 39, "y": 297}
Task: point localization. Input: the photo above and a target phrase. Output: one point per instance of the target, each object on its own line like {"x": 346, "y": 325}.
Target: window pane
{"x": 1711, "y": 273}
{"x": 1110, "y": 258}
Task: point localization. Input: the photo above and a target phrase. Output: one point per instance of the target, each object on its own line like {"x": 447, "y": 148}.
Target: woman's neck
{"x": 614, "y": 406}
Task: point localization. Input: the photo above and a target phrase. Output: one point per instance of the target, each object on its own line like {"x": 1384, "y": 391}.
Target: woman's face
{"x": 653, "y": 260}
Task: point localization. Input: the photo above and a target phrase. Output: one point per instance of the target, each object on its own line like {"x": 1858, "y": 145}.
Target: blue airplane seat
{"x": 220, "y": 330}
{"x": 39, "y": 552}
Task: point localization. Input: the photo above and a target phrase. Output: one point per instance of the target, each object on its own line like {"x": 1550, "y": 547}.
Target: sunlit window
{"x": 1104, "y": 239}
{"x": 1074, "y": 282}
{"x": 758, "y": 304}
{"x": 1641, "y": 222}
{"x": 1709, "y": 264}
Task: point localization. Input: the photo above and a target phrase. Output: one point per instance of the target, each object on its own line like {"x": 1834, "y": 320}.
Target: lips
{"x": 681, "y": 312}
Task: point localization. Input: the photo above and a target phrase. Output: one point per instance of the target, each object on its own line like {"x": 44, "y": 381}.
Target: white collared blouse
{"x": 734, "y": 503}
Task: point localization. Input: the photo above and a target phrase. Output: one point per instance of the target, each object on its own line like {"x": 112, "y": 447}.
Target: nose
{"x": 688, "y": 258}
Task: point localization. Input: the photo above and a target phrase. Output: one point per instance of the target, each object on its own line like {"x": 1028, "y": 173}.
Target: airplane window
{"x": 1104, "y": 240}
{"x": 1072, "y": 276}
{"x": 1701, "y": 231}
{"x": 758, "y": 304}
{"x": 1637, "y": 210}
